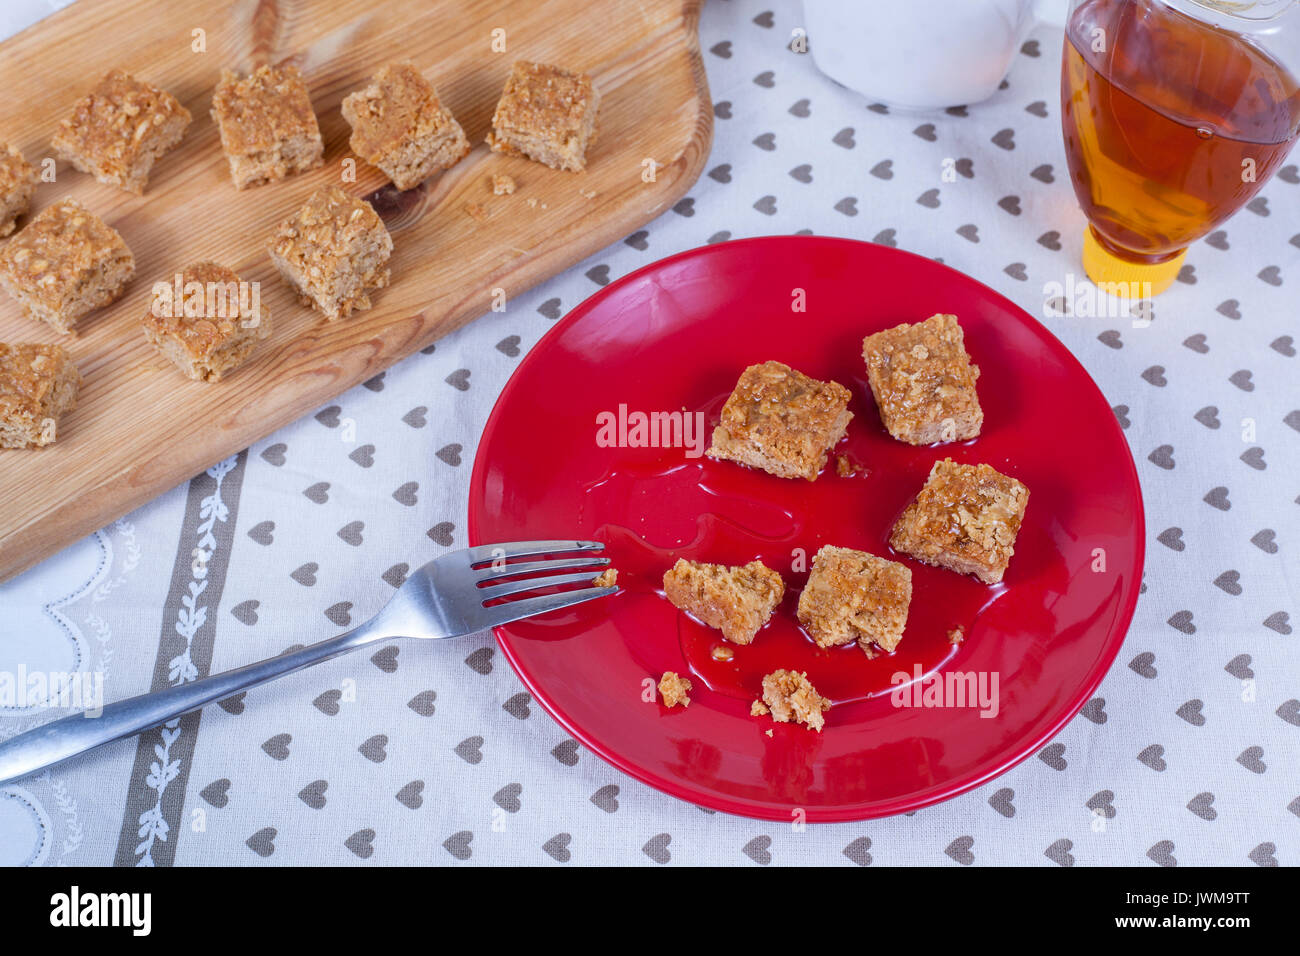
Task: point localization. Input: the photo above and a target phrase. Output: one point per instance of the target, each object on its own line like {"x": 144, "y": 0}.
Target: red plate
{"x": 676, "y": 335}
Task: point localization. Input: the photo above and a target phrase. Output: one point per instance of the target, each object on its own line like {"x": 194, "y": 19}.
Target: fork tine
{"x": 525, "y": 549}
{"x": 515, "y": 610}
{"x": 531, "y": 584}
{"x": 531, "y": 567}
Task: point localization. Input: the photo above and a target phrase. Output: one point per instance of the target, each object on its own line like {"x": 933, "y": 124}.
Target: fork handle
{"x": 58, "y": 740}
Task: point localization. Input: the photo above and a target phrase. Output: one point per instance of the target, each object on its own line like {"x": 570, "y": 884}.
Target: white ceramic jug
{"x": 922, "y": 54}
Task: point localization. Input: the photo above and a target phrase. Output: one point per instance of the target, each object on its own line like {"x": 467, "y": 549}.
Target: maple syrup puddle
{"x": 681, "y": 513}
{"x": 843, "y": 674}
{"x": 648, "y": 491}
{"x": 727, "y": 529}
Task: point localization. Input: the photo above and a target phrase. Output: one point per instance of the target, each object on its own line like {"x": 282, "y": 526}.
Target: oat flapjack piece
{"x": 856, "y": 596}
{"x": 119, "y": 129}
{"x": 399, "y": 125}
{"x": 674, "y": 690}
{"x": 736, "y": 600}
{"x": 268, "y": 129}
{"x": 966, "y": 519}
{"x": 781, "y": 421}
{"x": 65, "y": 263}
{"x": 789, "y": 696}
{"x": 17, "y": 185}
{"x": 212, "y": 327}
{"x": 923, "y": 381}
{"x": 38, "y": 383}
{"x": 547, "y": 114}
{"x": 334, "y": 252}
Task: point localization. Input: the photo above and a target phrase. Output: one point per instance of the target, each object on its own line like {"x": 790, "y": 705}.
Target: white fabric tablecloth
{"x": 434, "y": 754}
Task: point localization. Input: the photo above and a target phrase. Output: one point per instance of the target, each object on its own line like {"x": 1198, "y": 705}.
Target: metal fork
{"x": 445, "y": 598}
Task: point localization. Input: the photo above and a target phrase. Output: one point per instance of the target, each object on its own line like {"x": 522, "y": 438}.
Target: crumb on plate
{"x": 790, "y": 696}
{"x": 846, "y": 468}
{"x": 673, "y": 690}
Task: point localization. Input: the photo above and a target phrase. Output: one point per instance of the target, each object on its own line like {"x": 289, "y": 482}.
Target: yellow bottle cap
{"x": 1130, "y": 280}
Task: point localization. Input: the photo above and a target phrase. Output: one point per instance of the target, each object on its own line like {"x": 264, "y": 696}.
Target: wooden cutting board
{"x": 140, "y": 427}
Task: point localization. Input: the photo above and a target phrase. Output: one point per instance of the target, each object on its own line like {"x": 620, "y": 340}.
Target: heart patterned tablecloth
{"x": 1188, "y": 754}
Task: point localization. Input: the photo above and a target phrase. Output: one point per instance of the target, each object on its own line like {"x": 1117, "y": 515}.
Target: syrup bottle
{"x": 1175, "y": 113}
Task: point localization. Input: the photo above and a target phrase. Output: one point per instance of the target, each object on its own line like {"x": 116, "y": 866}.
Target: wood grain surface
{"x": 140, "y": 427}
